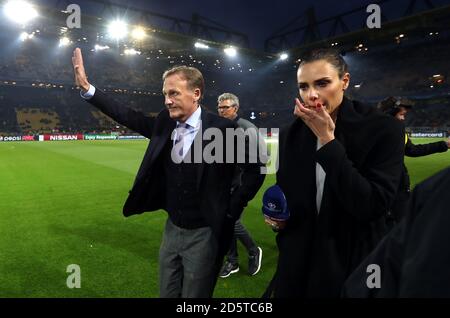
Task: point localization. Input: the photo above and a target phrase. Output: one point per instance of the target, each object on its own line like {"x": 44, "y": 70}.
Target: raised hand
{"x": 317, "y": 119}
{"x": 78, "y": 69}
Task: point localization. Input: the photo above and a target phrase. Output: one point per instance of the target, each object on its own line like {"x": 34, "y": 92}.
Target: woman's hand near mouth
{"x": 317, "y": 119}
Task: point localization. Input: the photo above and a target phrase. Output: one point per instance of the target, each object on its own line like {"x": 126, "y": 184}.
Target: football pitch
{"x": 61, "y": 204}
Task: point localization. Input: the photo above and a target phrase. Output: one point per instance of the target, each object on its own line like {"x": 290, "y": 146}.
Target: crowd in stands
{"x": 43, "y": 79}
{"x": 401, "y": 70}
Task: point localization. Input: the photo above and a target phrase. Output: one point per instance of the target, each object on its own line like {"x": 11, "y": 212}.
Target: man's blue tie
{"x": 182, "y": 130}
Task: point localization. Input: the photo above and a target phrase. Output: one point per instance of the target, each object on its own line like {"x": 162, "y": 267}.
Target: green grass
{"x": 61, "y": 203}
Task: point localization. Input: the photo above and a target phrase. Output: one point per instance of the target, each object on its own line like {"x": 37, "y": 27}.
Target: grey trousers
{"x": 188, "y": 262}
{"x": 241, "y": 233}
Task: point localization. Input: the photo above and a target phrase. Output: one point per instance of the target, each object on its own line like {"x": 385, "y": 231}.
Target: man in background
{"x": 228, "y": 106}
{"x": 398, "y": 108}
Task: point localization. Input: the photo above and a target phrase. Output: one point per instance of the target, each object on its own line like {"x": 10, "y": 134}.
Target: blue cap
{"x": 275, "y": 204}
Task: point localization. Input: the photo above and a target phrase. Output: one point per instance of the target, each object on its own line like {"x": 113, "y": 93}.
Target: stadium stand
{"x": 37, "y": 73}
{"x": 35, "y": 120}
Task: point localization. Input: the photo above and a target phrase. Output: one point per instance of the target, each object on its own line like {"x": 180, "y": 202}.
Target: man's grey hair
{"x": 228, "y": 96}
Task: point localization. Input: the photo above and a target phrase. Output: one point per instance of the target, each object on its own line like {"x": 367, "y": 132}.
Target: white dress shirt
{"x": 89, "y": 93}
{"x": 320, "y": 180}
{"x": 194, "y": 123}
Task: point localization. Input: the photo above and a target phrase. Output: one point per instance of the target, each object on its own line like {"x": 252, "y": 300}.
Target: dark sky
{"x": 256, "y": 18}
{"x": 260, "y": 18}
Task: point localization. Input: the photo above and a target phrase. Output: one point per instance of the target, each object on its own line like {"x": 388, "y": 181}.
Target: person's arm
{"x": 412, "y": 150}
{"x": 251, "y": 179}
{"x": 369, "y": 193}
{"x": 125, "y": 116}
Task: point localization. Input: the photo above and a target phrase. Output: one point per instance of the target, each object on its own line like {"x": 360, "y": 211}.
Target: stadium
{"x": 67, "y": 168}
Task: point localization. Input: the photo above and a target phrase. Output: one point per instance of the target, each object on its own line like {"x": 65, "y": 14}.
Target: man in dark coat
{"x": 202, "y": 211}
{"x": 228, "y": 107}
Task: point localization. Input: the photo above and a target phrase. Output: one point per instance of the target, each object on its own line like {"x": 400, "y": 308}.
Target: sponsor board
{"x": 28, "y": 138}
{"x": 100, "y": 137}
{"x": 132, "y": 137}
{"x": 62, "y": 137}
{"x": 10, "y": 138}
{"x": 428, "y": 135}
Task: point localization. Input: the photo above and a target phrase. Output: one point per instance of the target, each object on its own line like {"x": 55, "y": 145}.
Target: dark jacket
{"x": 413, "y": 258}
{"x": 255, "y": 137}
{"x": 317, "y": 251}
{"x": 412, "y": 150}
{"x": 219, "y": 207}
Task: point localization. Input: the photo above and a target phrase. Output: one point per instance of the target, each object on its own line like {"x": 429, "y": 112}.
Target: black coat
{"x": 219, "y": 207}
{"x": 414, "y": 258}
{"x": 317, "y": 251}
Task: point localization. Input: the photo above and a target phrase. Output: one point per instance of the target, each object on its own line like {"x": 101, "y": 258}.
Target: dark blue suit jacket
{"x": 220, "y": 208}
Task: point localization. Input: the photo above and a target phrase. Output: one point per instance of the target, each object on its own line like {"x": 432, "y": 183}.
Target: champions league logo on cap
{"x": 275, "y": 204}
